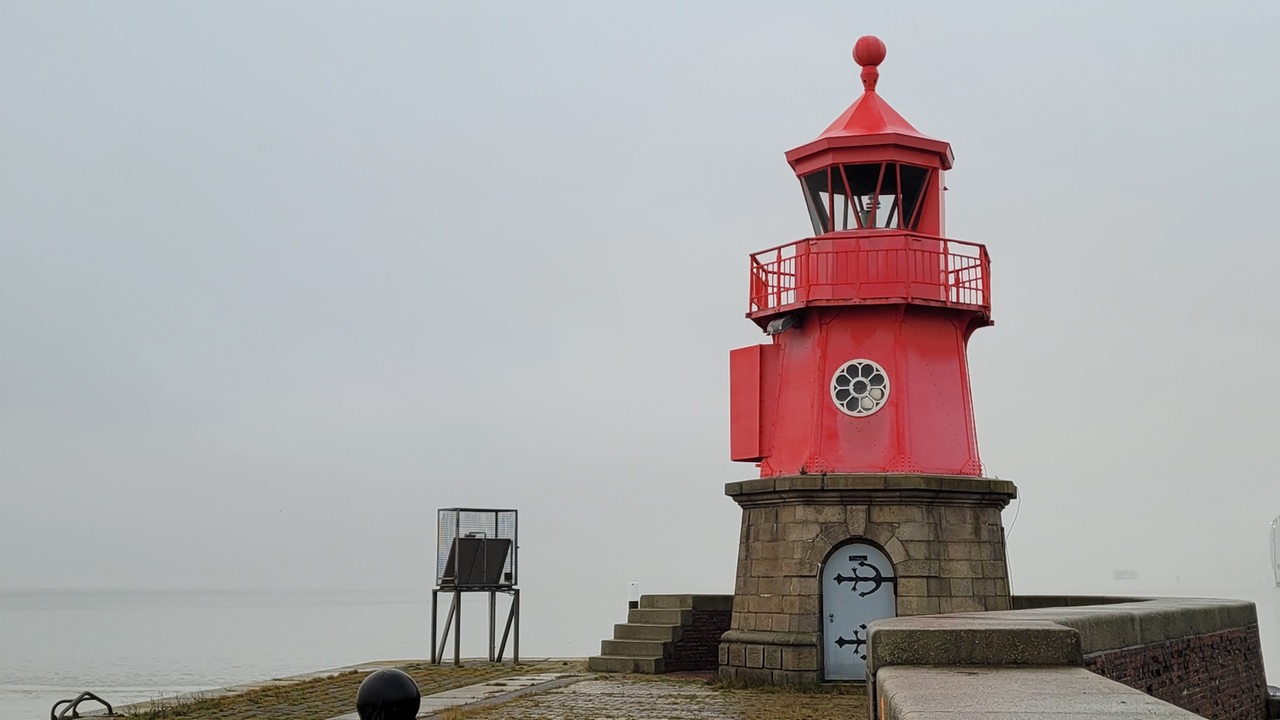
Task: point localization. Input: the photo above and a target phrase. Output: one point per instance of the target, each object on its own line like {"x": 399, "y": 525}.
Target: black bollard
{"x": 388, "y": 694}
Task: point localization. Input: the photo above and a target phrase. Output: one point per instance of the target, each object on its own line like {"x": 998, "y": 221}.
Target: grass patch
{"x": 459, "y": 712}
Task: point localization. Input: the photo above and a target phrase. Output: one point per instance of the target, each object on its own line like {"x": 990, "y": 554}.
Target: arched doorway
{"x": 858, "y": 586}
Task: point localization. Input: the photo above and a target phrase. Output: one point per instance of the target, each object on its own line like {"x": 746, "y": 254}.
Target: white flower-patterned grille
{"x": 860, "y": 387}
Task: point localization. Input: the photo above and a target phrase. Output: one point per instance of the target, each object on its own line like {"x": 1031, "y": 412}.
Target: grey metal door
{"x": 857, "y": 587}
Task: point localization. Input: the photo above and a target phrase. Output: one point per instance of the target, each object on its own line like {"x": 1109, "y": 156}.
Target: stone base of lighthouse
{"x": 810, "y": 544}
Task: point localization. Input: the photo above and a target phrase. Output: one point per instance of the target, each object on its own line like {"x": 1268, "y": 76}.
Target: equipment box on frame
{"x": 476, "y": 551}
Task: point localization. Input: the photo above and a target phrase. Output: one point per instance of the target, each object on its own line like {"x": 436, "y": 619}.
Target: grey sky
{"x": 277, "y": 280}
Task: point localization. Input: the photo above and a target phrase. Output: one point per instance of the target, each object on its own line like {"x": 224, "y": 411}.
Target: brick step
{"x": 641, "y": 631}
{"x": 666, "y": 632}
{"x": 619, "y": 664}
{"x": 633, "y": 648}
{"x": 653, "y": 616}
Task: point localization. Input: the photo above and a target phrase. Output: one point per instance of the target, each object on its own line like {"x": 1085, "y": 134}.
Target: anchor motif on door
{"x": 876, "y": 577}
{"x": 857, "y": 642}
{"x": 858, "y": 586}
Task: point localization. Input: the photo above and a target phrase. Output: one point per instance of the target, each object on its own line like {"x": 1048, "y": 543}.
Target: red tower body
{"x": 867, "y": 371}
{"x": 870, "y": 502}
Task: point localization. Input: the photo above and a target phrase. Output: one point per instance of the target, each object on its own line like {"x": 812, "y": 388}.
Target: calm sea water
{"x": 136, "y": 646}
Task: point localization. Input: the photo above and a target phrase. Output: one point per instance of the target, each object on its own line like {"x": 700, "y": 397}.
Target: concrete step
{"x": 639, "y": 631}
{"x": 654, "y": 616}
{"x": 687, "y": 602}
{"x": 666, "y": 602}
{"x": 615, "y": 663}
{"x": 632, "y": 648}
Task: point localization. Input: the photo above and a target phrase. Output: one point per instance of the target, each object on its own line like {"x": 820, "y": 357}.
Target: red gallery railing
{"x": 879, "y": 267}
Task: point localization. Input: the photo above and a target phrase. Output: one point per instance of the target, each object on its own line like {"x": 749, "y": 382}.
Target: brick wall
{"x": 699, "y": 643}
{"x": 1218, "y": 675}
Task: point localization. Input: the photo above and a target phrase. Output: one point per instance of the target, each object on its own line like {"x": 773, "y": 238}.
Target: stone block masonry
{"x": 943, "y": 535}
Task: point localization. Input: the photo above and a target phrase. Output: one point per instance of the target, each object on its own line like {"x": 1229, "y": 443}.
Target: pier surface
{"x": 546, "y": 689}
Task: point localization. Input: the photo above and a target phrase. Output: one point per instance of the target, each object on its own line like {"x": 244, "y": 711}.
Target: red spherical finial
{"x": 869, "y": 52}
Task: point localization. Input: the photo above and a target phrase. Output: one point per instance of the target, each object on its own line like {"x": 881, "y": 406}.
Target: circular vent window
{"x": 860, "y": 387}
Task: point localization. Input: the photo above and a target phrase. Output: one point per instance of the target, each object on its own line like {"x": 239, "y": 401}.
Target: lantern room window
{"x": 865, "y": 196}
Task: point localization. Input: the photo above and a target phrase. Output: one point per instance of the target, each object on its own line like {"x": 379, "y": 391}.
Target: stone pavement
{"x": 667, "y": 698}
{"x": 547, "y": 689}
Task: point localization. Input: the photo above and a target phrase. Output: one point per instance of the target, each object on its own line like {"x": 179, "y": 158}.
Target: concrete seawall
{"x": 1163, "y": 658}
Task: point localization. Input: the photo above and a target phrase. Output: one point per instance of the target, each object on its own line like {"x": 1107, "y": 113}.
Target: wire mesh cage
{"x": 475, "y": 548}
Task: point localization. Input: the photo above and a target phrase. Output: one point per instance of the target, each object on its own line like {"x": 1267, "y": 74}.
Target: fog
{"x": 279, "y": 280}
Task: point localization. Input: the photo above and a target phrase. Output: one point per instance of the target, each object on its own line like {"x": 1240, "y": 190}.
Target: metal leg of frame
{"x": 493, "y": 609}
{"x": 515, "y": 642}
{"x": 438, "y": 652}
{"x": 457, "y": 629}
{"x": 506, "y": 630}
{"x": 435, "y": 599}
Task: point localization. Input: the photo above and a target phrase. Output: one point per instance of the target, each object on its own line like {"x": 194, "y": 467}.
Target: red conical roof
{"x": 870, "y": 115}
{"x": 870, "y": 121}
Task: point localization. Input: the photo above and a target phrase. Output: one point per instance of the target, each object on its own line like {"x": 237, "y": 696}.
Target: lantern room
{"x": 866, "y": 196}
{"x": 871, "y": 169}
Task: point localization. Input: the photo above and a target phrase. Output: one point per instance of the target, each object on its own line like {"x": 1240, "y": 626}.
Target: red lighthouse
{"x": 869, "y": 319}
{"x": 870, "y": 501}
